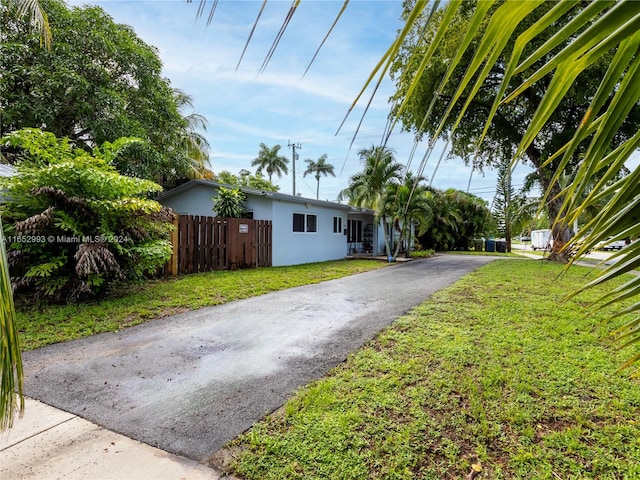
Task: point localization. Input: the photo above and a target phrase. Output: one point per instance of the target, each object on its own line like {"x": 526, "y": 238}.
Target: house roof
{"x": 262, "y": 193}
{"x": 7, "y": 171}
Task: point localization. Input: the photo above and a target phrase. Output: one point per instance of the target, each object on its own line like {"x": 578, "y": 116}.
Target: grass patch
{"x": 42, "y": 324}
{"x": 494, "y": 370}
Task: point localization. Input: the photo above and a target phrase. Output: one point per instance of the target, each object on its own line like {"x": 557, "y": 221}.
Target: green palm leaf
{"x": 11, "y": 396}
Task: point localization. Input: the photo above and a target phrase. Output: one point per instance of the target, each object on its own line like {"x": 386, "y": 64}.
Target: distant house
{"x": 304, "y": 230}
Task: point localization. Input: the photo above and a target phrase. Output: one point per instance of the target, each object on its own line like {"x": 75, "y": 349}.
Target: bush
{"x": 74, "y": 224}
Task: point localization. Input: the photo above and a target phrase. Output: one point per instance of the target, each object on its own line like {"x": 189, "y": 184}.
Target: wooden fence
{"x": 203, "y": 244}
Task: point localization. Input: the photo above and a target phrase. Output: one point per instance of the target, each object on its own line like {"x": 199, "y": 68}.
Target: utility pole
{"x": 294, "y": 157}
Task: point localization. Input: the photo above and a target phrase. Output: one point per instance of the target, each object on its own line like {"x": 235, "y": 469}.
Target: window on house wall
{"x": 354, "y": 231}
{"x": 305, "y": 222}
{"x": 248, "y": 214}
{"x": 337, "y": 224}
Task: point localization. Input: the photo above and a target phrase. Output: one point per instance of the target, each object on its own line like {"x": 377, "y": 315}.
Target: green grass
{"x": 495, "y": 370}
{"x": 41, "y": 324}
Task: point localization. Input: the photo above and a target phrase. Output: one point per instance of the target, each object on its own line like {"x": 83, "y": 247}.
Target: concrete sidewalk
{"x": 49, "y": 444}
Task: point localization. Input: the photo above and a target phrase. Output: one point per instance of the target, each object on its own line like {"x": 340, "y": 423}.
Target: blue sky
{"x": 245, "y": 109}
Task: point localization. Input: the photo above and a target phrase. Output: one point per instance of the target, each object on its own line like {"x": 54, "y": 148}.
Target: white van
{"x": 541, "y": 239}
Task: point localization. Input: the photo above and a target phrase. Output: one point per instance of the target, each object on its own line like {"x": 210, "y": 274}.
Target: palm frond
{"x": 12, "y": 377}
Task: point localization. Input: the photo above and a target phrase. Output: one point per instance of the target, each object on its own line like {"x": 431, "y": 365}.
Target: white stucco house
{"x": 304, "y": 230}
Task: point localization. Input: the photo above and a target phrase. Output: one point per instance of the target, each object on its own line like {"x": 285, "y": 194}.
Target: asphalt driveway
{"x": 191, "y": 382}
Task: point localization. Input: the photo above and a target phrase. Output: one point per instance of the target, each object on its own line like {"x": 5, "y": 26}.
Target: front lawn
{"x": 494, "y": 373}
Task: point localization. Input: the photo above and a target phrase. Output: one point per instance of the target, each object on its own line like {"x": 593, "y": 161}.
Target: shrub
{"x": 74, "y": 224}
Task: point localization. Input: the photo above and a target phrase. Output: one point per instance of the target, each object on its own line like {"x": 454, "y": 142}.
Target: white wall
{"x": 195, "y": 201}
{"x": 292, "y": 248}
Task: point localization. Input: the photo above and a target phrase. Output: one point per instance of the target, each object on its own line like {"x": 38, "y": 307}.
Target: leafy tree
{"x": 75, "y": 224}
{"x": 269, "y": 161}
{"x": 99, "y": 82}
{"x": 368, "y": 187}
{"x": 245, "y": 179}
{"x": 458, "y": 218}
{"x": 321, "y": 167}
{"x": 422, "y": 99}
{"x": 228, "y": 203}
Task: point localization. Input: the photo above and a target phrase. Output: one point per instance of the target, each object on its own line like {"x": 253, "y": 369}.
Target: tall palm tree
{"x": 269, "y": 161}
{"x": 367, "y": 188}
{"x": 321, "y": 167}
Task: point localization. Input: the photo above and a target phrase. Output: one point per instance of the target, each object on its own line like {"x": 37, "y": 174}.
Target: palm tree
{"x": 321, "y": 167}
{"x": 408, "y": 203}
{"x": 368, "y": 188}
{"x": 194, "y": 143}
{"x": 268, "y": 160}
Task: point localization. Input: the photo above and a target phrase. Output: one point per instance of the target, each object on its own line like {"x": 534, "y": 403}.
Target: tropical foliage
{"x": 368, "y": 188}
{"x": 229, "y": 202}
{"x": 430, "y": 101}
{"x": 246, "y": 179}
{"x": 75, "y": 225}
{"x": 408, "y": 204}
{"x": 318, "y": 168}
{"x": 99, "y": 82}
{"x": 11, "y": 381}
{"x": 269, "y": 161}
{"x": 457, "y": 219}
{"x": 38, "y": 19}
{"x": 544, "y": 51}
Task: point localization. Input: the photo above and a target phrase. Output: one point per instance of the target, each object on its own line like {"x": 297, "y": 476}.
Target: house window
{"x": 337, "y": 225}
{"x": 305, "y": 222}
{"x": 248, "y": 214}
{"x": 354, "y": 231}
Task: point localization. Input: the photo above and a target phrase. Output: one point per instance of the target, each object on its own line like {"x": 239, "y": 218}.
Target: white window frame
{"x": 337, "y": 226}
{"x": 306, "y": 222}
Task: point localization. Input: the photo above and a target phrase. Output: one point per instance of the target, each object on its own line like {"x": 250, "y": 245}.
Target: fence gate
{"x": 203, "y": 244}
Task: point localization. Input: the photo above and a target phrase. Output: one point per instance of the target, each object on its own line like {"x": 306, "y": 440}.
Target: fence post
{"x": 174, "y": 238}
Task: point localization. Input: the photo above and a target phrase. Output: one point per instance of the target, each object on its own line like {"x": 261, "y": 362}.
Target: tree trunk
{"x": 560, "y": 231}
{"x": 387, "y": 247}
